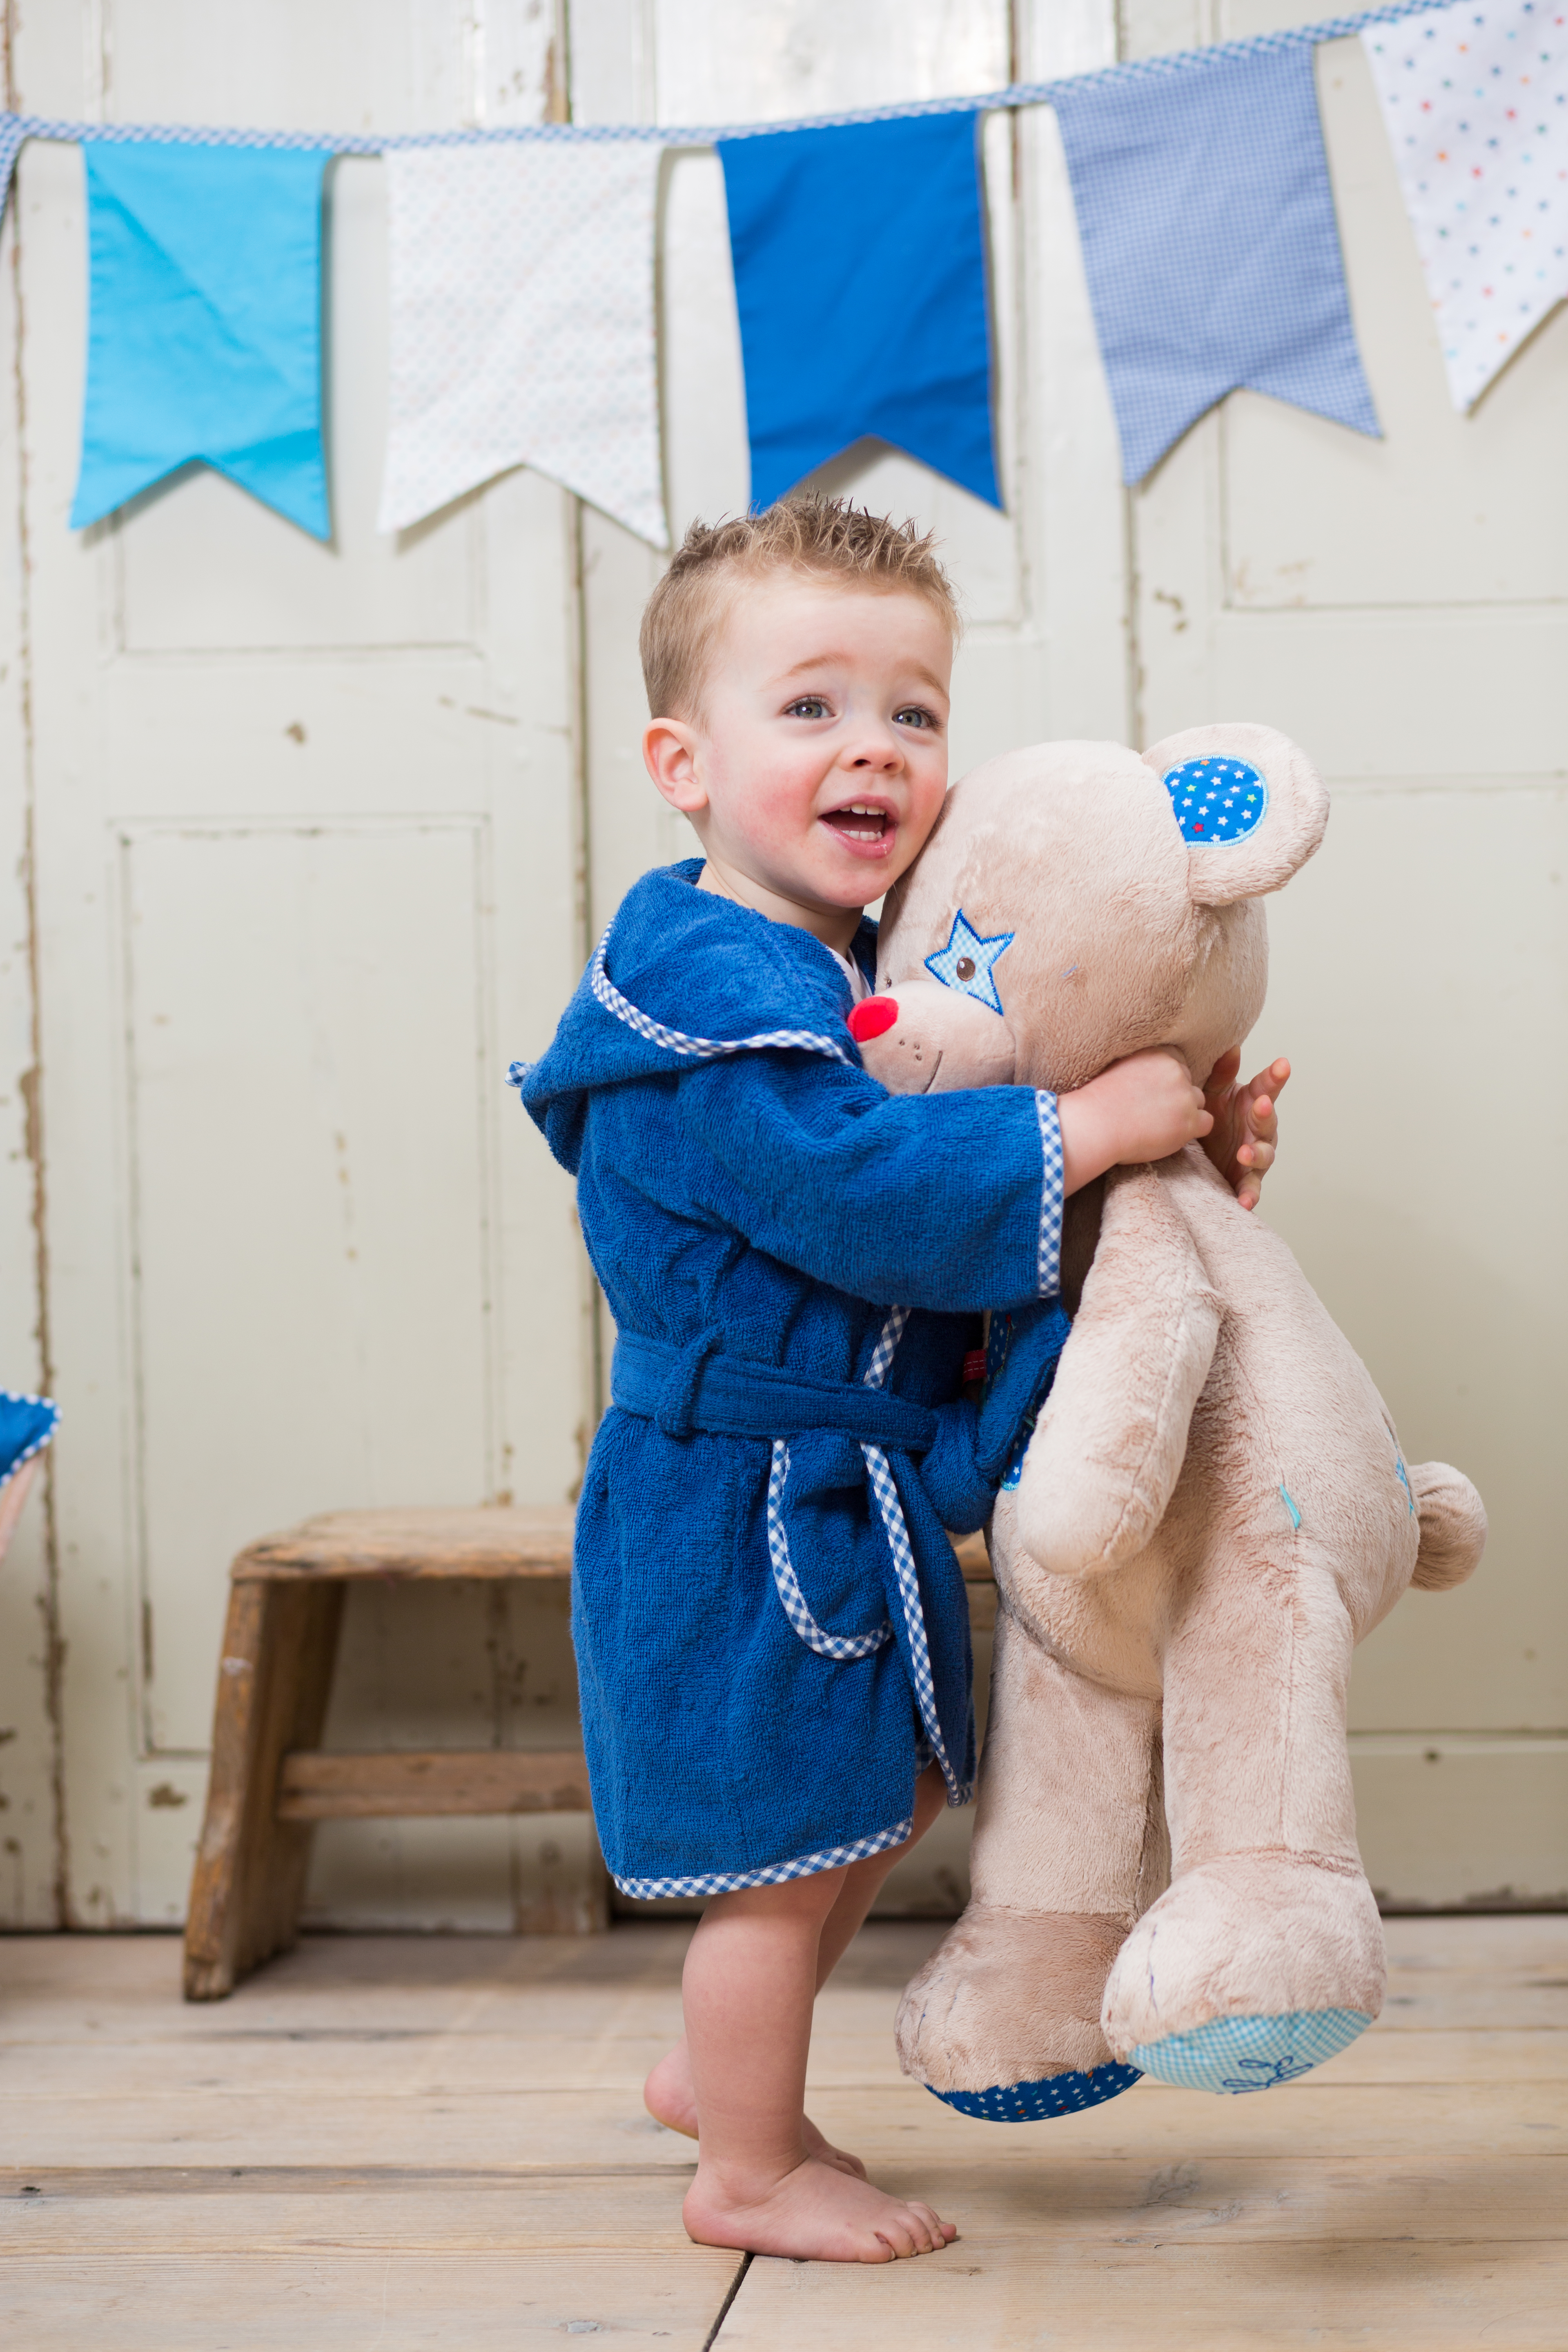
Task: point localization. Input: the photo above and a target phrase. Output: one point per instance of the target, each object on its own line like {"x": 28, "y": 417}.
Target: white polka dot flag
{"x": 523, "y": 326}
{"x": 1475, "y": 101}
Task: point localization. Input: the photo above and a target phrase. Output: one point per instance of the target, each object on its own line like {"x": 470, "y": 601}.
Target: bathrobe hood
{"x": 704, "y": 978}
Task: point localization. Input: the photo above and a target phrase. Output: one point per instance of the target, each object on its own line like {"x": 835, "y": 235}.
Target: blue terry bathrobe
{"x": 771, "y": 1628}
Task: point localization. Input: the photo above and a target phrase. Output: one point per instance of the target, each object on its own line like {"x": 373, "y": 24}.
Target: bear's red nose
{"x": 871, "y": 1016}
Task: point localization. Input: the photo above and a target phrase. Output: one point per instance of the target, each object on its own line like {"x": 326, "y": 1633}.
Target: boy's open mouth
{"x": 859, "y": 821}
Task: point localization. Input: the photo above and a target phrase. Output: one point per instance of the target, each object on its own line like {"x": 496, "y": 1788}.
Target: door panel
{"x": 308, "y": 875}
{"x": 313, "y": 1100}
{"x": 1401, "y": 608}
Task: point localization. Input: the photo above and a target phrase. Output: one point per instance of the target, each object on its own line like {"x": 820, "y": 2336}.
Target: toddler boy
{"x": 771, "y": 1628}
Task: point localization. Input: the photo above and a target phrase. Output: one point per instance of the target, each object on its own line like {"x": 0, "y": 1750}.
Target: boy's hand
{"x": 1142, "y": 1108}
{"x": 1245, "y": 1135}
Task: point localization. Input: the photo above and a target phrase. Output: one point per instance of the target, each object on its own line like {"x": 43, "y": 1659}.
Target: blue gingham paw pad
{"x": 1250, "y": 2053}
{"x": 1034, "y": 2103}
{"x": 1216, "y": 800}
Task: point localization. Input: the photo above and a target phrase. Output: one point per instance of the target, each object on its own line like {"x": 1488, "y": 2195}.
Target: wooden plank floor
{"x": 399, "y": 2144}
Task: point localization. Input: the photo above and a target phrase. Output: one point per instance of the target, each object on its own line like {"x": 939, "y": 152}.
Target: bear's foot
{"x": 1251, "y": 1969}
{"x": 1003, "y": 2021}
{"x": 1250, "y": 2053}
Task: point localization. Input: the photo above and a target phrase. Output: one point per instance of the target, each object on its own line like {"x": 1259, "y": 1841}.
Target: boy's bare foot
{"x": 815, "y": 2213}
{"x": 670, "y": 2100}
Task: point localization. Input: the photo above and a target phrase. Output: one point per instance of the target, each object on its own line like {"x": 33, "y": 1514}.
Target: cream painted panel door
{"x": 1401, "y": 608}
{"x": 307, "y": 877}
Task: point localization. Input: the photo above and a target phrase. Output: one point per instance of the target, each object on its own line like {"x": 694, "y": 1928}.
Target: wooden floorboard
{"x": 390, "y": 2144}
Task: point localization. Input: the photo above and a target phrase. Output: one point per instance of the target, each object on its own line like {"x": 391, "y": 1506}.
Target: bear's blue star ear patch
{"x": 1216, "y": 800}
{"x": 966, "y": 961}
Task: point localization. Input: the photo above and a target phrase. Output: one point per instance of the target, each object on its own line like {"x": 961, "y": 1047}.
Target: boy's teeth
{"x": 874, "y": 828}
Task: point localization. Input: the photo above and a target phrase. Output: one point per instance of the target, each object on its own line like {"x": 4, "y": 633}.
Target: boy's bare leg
{"x": 668, "y": 2093}
{"x": 750, "y": 1979}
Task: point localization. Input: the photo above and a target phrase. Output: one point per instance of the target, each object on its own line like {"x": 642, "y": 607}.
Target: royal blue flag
{"x": 1212, "y": 248}
{"x": 860, "y": 278}
{"x": 204, "y": 336}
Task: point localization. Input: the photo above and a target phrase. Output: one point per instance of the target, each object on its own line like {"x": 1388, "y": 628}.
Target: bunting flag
{"x": 1475, "y": 101}
{"x": 1211, "y": 244}
{"x": 205, "y": 332}
{"x": 523, "y": 326}
{"x": 860, "y": 279}
{"x": 11, "y": 137}
{"x": 26, "y": 1425}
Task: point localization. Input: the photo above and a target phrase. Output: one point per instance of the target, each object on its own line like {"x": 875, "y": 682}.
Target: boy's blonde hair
{"x": 827, "y": 538}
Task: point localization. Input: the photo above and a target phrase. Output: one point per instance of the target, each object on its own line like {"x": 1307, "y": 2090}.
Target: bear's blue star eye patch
{"x": 1216, "y": 800}
{"x": 965, "y": 962}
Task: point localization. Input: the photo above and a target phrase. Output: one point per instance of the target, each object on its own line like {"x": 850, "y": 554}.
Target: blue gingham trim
{"x": 887, "y": 1503}
{"x": 803, "y": 1865}
{"x": 1250, "y": 2053}
{"x": 1053, "y": 1193}
{"x": 786, "y": 1584}
{"x": 886, "y": 1349}
{"x": 864, "y": 1645}
{"x": 676, "y": 1041}
{"x": 898, "y": 1544}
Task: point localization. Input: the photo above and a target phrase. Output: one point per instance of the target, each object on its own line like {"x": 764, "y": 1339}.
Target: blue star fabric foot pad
{"x": 1032, "y": 2102}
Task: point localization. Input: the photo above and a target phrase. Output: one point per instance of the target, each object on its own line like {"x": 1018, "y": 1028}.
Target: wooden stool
{"x": 270, "y": 1782}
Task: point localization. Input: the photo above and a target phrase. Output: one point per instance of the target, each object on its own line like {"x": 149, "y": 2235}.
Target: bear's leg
{"x": 1265, "y": 1955}
{"x": 1003, "y": 2019}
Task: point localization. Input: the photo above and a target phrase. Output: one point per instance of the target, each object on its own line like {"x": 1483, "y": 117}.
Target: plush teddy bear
{"x": 1213, "y": 1508}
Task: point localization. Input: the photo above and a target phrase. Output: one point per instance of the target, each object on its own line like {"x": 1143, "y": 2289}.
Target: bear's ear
{"x": 1249, "y": 804}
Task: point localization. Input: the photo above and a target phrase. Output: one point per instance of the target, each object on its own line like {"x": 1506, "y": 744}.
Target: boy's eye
{"x": 810, "y": 706}
{"x": 913, "y": 716}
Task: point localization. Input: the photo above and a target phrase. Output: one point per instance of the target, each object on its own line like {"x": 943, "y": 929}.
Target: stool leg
{"x": 279, "y": 1646}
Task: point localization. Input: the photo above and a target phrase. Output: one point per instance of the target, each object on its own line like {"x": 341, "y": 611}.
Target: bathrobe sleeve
{"x": 950, "y": 1200}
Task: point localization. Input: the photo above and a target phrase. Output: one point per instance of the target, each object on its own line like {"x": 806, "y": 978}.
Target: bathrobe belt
{"x": 699, "y": 1388}
{"x": 696, "y": 1387}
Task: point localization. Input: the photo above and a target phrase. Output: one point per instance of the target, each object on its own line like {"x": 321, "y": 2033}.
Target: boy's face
{"x": 818, "y": 764}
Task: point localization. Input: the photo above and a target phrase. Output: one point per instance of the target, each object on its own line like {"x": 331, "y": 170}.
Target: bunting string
{"x": 523, "y": 269}
{"x": 15, "y": 128}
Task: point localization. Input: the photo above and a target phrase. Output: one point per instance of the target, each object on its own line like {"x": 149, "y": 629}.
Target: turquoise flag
{"x": 205, "y": 333}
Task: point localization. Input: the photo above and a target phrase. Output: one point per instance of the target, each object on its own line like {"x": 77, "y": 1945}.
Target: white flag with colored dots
{"x": 1475, "y": 101}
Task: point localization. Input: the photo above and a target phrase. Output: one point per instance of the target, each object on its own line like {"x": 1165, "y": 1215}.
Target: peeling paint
{"x": 48, "y": 1600}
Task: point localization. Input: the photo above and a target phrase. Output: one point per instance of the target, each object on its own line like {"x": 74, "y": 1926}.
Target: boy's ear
{"x": 668, "y": 752}
{"x": 1249, "y": 805}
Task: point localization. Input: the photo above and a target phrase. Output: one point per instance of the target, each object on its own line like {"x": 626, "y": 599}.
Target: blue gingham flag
{"x": 1211, "y": 245}
{"x": 1475, "y": 101}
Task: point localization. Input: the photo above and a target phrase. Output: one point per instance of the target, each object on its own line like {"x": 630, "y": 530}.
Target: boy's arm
{"x": 950, "y": 1200}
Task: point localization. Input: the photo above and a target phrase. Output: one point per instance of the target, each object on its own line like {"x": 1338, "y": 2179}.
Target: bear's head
{"x": 1079, "y": 901}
